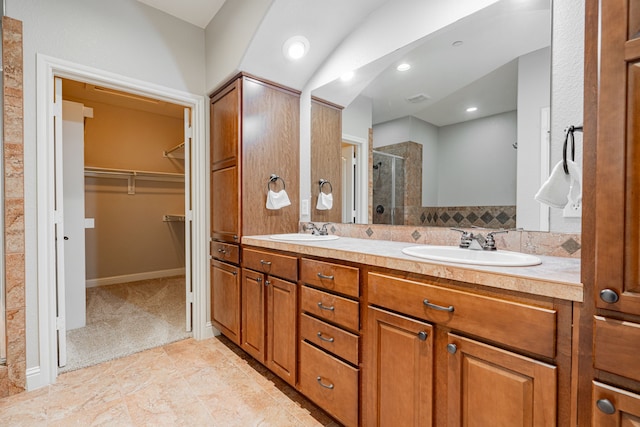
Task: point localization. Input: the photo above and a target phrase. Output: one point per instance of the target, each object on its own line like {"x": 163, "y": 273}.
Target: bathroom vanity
{"x": 377, "y": 337}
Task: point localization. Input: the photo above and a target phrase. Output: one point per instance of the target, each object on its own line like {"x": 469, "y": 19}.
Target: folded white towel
{"x": 557, "y": 190}
{"x": 277, "y": 200}
{"x": 325, "y": 201}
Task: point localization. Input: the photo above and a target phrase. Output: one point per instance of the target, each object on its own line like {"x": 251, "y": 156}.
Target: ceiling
{"x": 196, "y": 12}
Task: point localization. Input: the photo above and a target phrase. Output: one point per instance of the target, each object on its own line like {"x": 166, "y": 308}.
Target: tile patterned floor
{"x": 187, "y": 383}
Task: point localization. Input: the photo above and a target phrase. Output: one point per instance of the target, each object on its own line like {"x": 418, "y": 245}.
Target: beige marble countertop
{"x": 556, "y": 277}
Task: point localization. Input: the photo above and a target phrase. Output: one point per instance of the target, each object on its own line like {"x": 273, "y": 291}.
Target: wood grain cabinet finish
{"x": 331, "y": 338}
{"x": 332, "y": 308}
{"x": 253, "y": 314}
{"x": 274, "y": 264}
{"x": 617, "y": 347}
{"x": 225, "y": 299}
{"x": 330, "y": 276}
{"x": 614, "y": 407}
{"x": 225, "y": 252}
{"x": 398, "y": 374}
{"x": 488, "y": 386}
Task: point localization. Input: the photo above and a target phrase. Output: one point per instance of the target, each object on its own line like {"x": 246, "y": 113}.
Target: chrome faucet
{"x": 322, "y": 231}
{"x": 468, "y": 240}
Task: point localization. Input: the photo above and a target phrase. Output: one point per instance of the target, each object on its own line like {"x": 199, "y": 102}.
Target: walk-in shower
{"x": 388, "y": 188}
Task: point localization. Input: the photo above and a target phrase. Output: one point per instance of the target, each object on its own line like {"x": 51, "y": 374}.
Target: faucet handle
{"x": 466, "y": 238}
{"x": 490, "y": 241}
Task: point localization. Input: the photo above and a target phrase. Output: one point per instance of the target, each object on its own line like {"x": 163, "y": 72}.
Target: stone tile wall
{"x": 13, "y": 375}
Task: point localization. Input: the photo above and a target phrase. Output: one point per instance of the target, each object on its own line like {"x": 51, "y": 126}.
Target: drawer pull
{"x": 322, "y": 276}
{"x": 422, "y": 336}
{"x": 452, "y": 348}
{"x": 324, "y": 307}
{"x": 438, "y": 307}
{"x": 329, "y": 386}
{"x": 606, "y": 406}
{"x": 222, "y": 251}
{"x": 263, "y": 262}
{"x": 325, "y": 339}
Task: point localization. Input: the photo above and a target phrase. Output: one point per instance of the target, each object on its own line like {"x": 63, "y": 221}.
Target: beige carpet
{"x": 127, "y": 318}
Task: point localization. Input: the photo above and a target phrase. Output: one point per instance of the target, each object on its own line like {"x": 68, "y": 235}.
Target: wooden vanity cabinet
{"x": 329, "y": 337}
{"x": 225, "y": 296}
{"x": 269, "y": 310}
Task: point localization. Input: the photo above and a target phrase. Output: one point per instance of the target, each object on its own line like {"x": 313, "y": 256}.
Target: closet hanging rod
{"x": 171, "y": 150}
{"x": 126, "y": 173}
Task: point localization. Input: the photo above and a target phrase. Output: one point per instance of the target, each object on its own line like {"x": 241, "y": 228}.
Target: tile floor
{"x": 187, "y": 383}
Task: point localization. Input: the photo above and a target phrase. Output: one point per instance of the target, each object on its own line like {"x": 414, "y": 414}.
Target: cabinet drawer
{"x": 330, "y": 383}
{"x": 279, "y": 265}
{"x": 335, "y": 277}
{"x": 225, "y": 252}
{"x": 616, "y": 347}
{"x": 515, "y": 324}
{"x": 335, "y": 340}
{"x": 333, "y": 308}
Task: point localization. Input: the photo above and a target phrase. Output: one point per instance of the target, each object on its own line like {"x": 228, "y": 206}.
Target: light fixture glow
{"x": 472, "y": 109}
{"x": 347, "y": 76}
{"x": 403, "y": 67}
{"x": 295, "y": 47}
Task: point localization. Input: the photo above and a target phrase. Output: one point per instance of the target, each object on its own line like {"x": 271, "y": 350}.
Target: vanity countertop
{"x": 556, "y": 277}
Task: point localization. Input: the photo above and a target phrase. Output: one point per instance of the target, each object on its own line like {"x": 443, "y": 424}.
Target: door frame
{"x": 46, "y": 69}
{"x": 362, "y": 176}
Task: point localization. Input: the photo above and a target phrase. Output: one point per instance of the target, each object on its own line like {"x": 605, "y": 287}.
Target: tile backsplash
{"x": 531, "y": 242}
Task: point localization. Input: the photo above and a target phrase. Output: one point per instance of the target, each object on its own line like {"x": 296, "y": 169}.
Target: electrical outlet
{"x": 305, "y": 207}
{"x": 572, "y": 210}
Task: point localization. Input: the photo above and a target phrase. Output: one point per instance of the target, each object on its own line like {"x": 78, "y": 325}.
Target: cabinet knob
{"x": 609, "y": 296}
{"x": 267, "y": 283}
{"x": 258, "y": 279}
{"x": 606, "y": 406}
{"x": 422, "y": 336}
{"x": 452, "y": 348}
{"x": 235, "y": 237}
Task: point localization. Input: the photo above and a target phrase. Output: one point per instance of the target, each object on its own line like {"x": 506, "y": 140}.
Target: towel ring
{"x": 569, "y": 134}
{"x": 273, "y": 178}
{"x": 323, "y": 182}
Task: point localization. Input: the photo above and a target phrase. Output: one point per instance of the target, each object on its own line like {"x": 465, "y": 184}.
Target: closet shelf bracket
{"x": 169, "y": 153}
{"x": 173, "y": 218}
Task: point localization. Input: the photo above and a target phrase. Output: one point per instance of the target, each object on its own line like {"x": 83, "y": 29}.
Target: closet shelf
{"x": 170, "y": 152}
{"x": 132, "y": 175}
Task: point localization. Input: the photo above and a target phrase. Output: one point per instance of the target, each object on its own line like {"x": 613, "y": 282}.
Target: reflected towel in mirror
{"x": 561, "y": 188}
{"x": 325, "y": 201}
{"x": 277, "y": 200}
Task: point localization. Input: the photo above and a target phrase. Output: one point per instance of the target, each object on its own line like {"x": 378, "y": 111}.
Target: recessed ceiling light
{"x": 403, "y": 67}
{"x": 457, "y": 43}
{"x": 347, "y": 76}
{"x": 295, "y": 47}
{"x": 472, "y": 109}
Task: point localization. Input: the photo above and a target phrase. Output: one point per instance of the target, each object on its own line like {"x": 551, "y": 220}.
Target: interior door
{"x": 59, "y": 223}
{"x": 188, "y": 215}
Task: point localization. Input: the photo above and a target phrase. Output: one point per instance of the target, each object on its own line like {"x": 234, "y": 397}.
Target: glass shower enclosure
{"x": 388, "y": 189}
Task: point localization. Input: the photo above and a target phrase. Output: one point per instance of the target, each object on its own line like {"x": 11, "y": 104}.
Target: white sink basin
{"x": 303, "y": 237}
{"x": 469, "y": 256}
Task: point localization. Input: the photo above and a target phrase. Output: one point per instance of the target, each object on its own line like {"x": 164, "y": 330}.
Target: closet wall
{"x": 130, "y": 240}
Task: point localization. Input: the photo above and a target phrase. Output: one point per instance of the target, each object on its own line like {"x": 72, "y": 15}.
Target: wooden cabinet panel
{"x": 614, "y": 407}
{"x": 225, "y": 252}
{"x": 334, "y": 277}
{"x": 330, "y": 383}
{"x": 488, "y": 386}
{"x": 617, "y": 347}
{"x": 225, "y": 124}
{"x": 271, "y": 263}
{"x": 282, "y": 299}
{"x": 530, "y": 328}
{"x": 253, "y": 314}
{"x": 333, "y": 308}
{"x": 398, "y": 371}
{"x": 333, "y": 339}
{"x": 225, "y": 209}
{"x": 225, "y": 299}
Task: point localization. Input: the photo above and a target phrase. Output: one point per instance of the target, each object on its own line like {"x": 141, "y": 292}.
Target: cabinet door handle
{"x": 606, "y": 406}
{"x": 452, "y": 348}
{"x": 263, "y": 262}
{"x": 438, "y": 307}
{"x": 609, "y": 296}
{"x": 235, "y": 237}
{"x": 258, "y": 279}
{"x": 267, "y": 283}
{"x": 222, "y": 251}
{"x": 235, "y": 273}
{"x": 329, "y": 386}
{"x": 322, "y": 276}
{"x": 324, "y": 307}
{"x": 325, "y": 339}
{"x": 422, "y": 336}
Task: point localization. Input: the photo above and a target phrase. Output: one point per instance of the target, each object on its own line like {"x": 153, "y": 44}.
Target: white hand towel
{"x": 277, "y": 200}
{"x": 325, "y": 201}
{"x": 556, "y": 190}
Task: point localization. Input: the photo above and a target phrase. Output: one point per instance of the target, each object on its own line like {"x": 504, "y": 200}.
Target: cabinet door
{"x": 225, "y": 126}
{"x": 282, "y": 298}
{"x": 253, "y": 314}
{"x": 488, "y": 386}
{"x": 225, "y": 299}
{"x": 613, "y": 407}
{"x": 399, "y": 371}
{"x": 618, "y": 159}
{"x": 225, "y": 208}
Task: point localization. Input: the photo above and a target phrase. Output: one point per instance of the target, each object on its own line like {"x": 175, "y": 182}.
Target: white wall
{"x": 476, "y": 162}
{"x": 121, "y": 36}
{"x": 567, "y": 83}
{"x": 534, "y": 75}
{"x": 356, "y": 118}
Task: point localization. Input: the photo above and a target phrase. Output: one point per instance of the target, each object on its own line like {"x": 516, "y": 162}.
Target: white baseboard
{"x": 134, "y": 277}
{"x": 35, "y": 379}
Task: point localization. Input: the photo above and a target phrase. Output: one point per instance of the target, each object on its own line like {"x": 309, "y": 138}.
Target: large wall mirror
{"x": 460, "y": 122}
